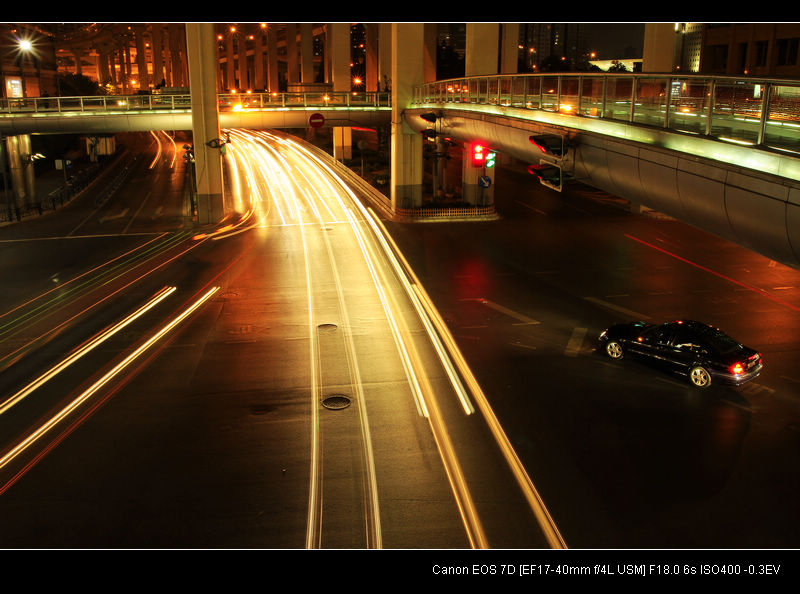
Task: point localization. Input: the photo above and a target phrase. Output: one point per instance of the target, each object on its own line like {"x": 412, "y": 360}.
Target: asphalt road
{"x": 212, "y": 438}
{"x": 624, "y": 455}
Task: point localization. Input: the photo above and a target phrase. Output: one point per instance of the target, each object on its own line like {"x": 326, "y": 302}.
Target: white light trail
{"x": 33, "y": 437}
{"x": 85, "y": 349}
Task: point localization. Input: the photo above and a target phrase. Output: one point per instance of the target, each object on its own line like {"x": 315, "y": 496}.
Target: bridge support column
{"x": 469, "y": 180}
{"x": 20, "y": 166}
{"x": 201, "y": 53}
{"x": 17, "y": 194}
{"x": 407, "y": 71}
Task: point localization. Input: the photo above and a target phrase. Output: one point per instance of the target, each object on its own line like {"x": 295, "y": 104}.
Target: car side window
{"x": 662, "y": 335}
{"x": 686, "y": 341}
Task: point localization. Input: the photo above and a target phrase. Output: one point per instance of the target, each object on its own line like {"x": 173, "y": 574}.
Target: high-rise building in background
{"x": 544, "y": 44}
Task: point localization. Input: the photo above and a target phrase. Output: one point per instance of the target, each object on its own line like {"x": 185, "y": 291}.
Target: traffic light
{"x": 549, "y": 174}
{"x": 549, "y": 144}
{"x": 478, "y": 152}
{"x": 491, "y": 156}
{"x": 429, "y": 134}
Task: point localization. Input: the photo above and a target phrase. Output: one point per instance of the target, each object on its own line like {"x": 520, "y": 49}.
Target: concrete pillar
{"x": 509, "y": 48}
{"x": 307, "y": 53}
{"x": 102, "y": 67}
{"x": 339, "y": 50}
{"x": 201, "y": 52}
{"x": 292, "y": 60}
{"x": 481, "y": 49}
{"x": 78, "y": 53}
{"x": 176, "y": 48}
{"x": 28, "y": 172}
{"x": 272, "y": 59}
{"x": 407, "y": 71}
{"x": 259, "y": 72}
{"x": 659, "y": 44}
{"x": 244, "y": 80}
{"x": 19, "y": 194}
{"x": 158, "y": 55}
{"x": 469, "y": 179}
{"x": 371, "y": 84}
{"x": 429, "y": 52}
{"x": 230, "y": 62}
{"x": 141, "y": 61}
{"x": 385, "y": 56}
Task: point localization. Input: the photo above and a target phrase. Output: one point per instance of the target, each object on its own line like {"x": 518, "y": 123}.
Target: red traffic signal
{"x": 478, "y": 155}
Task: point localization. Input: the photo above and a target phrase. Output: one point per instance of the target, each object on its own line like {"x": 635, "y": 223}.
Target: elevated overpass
{"x": 720, "y": 153}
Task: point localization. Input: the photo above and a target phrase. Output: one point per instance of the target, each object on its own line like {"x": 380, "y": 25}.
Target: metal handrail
{"x": 745, "y": 110}
{"x": 226, "y": 101}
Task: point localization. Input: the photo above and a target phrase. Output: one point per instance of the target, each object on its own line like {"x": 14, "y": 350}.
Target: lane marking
{"x": 575, "y": 342}
{"x": 626, "y": 312}
{"x": 523, "y": 319}
{"x": 541, "y": 212}
{"x": 115, "y": 216}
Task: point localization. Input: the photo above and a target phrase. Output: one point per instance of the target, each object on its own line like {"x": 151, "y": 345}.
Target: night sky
{"x": 611, "y": 40}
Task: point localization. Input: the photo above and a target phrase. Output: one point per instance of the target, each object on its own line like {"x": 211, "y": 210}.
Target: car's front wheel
{"x": 700, "y": 377}
{"x": 614, "y": 349}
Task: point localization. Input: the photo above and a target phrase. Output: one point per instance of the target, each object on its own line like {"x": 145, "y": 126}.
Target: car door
{"x": 683, "y": 350}
{"x": 655, "y": 344}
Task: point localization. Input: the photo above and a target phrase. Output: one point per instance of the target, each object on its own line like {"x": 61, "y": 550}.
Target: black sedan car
{"x": 700, "y": 352}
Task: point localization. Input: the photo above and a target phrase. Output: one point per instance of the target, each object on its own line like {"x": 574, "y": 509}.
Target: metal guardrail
{"x": 751, "y": 111}
{"x": 157, "y": 102}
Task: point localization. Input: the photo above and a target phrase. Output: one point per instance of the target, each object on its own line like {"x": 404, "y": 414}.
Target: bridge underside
{"x": 106, "y": 122}
{"x": 747, "y": 206}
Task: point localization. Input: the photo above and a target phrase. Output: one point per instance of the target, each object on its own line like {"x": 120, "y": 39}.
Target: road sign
{"x": 316, "y": 120}
{"x": 484, "y": 181}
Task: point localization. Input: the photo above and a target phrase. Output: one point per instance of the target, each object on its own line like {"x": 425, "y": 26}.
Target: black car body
{"x": 702, "y": 353}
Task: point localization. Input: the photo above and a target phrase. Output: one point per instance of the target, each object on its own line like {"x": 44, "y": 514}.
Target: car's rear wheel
{"x": 614, "y": 349}
{"x": 700, "y": 377}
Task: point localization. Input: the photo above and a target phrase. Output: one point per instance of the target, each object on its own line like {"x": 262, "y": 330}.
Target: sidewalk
{"x": 53, "y": 191}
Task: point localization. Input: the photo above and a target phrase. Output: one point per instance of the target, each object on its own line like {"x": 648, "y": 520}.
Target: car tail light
{"x": 736, "y": 368}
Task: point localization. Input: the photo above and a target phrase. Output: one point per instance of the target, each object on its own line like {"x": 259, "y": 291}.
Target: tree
{"x": 77, "y": 85}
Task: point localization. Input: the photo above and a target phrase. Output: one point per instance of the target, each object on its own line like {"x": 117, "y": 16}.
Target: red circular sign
{"x": 316, "y": 120}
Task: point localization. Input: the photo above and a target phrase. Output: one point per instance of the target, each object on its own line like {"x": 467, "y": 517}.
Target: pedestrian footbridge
{"x": 720, "y": 153}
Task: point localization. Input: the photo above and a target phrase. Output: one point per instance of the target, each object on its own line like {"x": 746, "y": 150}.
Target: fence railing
{"x": 227, "y": 102}
{"x": 763, "y": 112}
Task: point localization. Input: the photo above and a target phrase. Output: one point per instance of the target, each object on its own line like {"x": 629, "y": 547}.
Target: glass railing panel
{"x": 736, "y": 111}
{"x": 518, "y": 91}
{"x": 570, "y": 94}
{"x": 534, "y": 92}
{"x": 651, "y": 101}
{"x": 592, "y": 96}
{"x": 492, "y": 90}
{"x": 550, "y": 85}
{"x": 782, "y": 126}
{"x": 689, "y": 102}
{"x": 619, "y": 94}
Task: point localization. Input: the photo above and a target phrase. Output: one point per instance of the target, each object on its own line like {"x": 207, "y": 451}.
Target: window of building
{"x": 761, "y": 53}
{"x": 787, "y": 51}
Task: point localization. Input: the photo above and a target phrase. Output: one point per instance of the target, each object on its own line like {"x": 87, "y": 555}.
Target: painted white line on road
{"x": 522, "y": 346}
{"x": 116, "y": 216}
{"x": 523, "y": 319}
{"x": 627, "y": 312}
{"x": 541, "y": 212}
{"x": 575, "y": 342}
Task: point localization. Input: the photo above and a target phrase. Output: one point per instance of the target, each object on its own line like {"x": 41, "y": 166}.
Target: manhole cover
{"x": 336, "y": 402}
